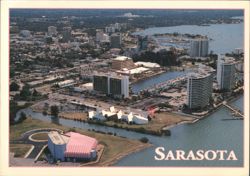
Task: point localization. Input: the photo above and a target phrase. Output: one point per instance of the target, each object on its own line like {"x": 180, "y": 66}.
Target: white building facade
{"x": 199, "y": 90}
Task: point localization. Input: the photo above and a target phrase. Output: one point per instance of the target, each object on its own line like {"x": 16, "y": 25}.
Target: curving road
{"x": 24, "y": 139}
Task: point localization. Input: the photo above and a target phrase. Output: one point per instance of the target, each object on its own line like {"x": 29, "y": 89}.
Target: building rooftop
{"x": 147, "y": 64}
{"x": 56, "y": 138}
{"x": 122, "y": 58}
{"x": 226, "y": 60}
{"x": 111, "y": 75}
{"x": 198, "y": 75}
{"x": 79, "y": 144}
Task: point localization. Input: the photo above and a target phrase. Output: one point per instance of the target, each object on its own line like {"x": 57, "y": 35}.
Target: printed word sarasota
{"x": 162, "y": 154}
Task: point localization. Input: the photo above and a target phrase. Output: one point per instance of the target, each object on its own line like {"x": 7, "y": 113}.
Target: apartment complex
{"x": 199, "y": 47}
{"x": 199, "y": 89}
{"x": 226, "y": 73}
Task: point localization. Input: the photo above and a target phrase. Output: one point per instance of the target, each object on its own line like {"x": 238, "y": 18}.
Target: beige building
{"x": 122, "y": 62}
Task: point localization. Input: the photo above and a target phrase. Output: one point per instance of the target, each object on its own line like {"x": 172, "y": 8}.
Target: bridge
{"x": 236, "y": 111}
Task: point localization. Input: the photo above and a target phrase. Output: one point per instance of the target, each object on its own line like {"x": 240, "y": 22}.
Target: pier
{"x": 237, "y": 113}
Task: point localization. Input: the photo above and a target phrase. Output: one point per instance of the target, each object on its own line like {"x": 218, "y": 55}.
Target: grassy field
{"x": 114, "y": 146}
{"x": 20, "y": 149}
{"x": 74, "y": 115}
{"x": 160, "y": 120}
{"x": 40, "y": 136}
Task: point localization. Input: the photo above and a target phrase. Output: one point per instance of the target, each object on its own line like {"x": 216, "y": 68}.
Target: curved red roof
{"x": 79, "y": 146}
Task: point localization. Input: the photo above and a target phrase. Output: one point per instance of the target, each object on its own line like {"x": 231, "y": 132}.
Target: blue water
{"x": 143, "y": 84}
{"x": 209, "y": 133}
{"x": 225, "y": 37}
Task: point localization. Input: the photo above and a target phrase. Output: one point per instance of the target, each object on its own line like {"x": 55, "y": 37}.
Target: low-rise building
{"x": 122, "y": 62}
{"x": 129, "y": 117}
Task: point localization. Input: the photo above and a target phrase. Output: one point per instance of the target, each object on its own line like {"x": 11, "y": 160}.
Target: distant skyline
{"x": 107, "y": 12}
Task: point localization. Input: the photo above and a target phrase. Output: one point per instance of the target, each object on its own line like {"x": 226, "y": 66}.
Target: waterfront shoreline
{"x": 143, "y": 129}
{"x": 129, "y": 152}
{"x": 232, "y": 99}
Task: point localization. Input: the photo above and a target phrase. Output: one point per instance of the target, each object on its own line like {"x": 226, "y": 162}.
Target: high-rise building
{"x": 115, "y": 41}
{"x": 122, "y": 62}
{"x": 66, "y": 33}
{"x": 52, "y": 30}
{"x": 199, "y": 47}
{"x": 111, "y": 84}
{"x": 101, "y": 83}
{"x": 226, "y": 72}
{"x": 142, "y": 43}
{"x": 199, "y": 89}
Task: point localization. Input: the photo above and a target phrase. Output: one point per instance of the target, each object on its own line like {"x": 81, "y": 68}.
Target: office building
{"x": 199, "y": 47}
{"x": 115, "y": 41}
{"x": 199, "y": 89}
{"x": 101, "y": 83}
{"x": 226, "y": 73}
{"x": 122, "y": 62}
{"x": 111, "y": 84}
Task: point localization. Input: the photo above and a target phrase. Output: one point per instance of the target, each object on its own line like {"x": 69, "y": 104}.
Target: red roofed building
{"x": 72, "y": 146}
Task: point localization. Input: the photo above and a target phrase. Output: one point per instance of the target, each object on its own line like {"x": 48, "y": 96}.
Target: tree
{"x": 22, "y": 117}
{"x": 14, "y": 86}
{"x": 54, "y": 110}
{"x": 35, "y": 93}
{"x": 25, "y": 92}
{"x": 144, "y": 139}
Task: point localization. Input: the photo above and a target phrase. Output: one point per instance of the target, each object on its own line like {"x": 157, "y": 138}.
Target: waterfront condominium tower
{"x": 199, "y": 47}
{"x": 199, "y": 89}
{"x": 111, "y": 84}
{"x": 226, "y": 73}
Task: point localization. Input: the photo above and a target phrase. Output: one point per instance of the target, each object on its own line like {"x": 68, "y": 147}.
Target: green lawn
{"x": 20, "y": 149}
{"x": 40, "y": 136}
